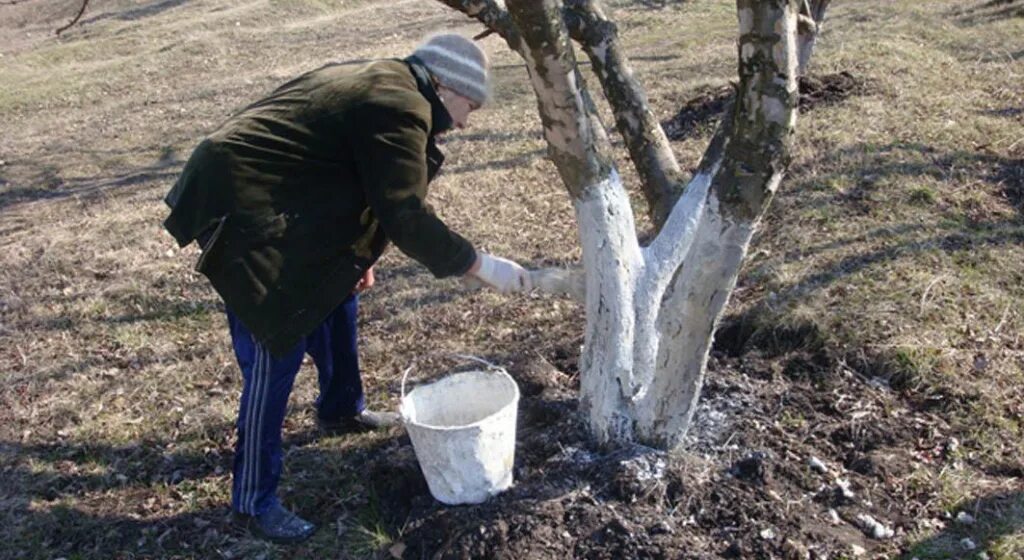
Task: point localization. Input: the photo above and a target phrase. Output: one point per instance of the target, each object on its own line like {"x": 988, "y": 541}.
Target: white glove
{"x": 502, "y": 274}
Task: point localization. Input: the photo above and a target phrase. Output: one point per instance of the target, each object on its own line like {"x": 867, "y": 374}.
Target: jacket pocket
{"x": 211, "y": 245}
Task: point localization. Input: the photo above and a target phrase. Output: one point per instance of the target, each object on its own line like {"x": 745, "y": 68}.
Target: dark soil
{"x": 702, "y": 111}
{"x": 745, "y": 487}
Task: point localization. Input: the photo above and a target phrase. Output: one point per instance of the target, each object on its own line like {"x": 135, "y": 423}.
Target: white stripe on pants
{"x": 253, "y": 418}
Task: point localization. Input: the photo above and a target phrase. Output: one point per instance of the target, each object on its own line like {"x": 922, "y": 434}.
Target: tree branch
{"x": 764, "y": 113}
{"x": 671, "y": 247}
{"x": 78, "y": 16}
{"x": 577, "y": 142}
{"x": 491, "y": 15}
{"x": 811, "y": 19}
{"x": 645, "y": 140}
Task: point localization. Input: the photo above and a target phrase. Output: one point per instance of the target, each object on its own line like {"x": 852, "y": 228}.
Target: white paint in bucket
{"x": 463, "y": 430}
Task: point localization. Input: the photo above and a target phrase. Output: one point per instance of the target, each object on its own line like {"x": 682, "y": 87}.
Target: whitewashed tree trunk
{"x": 651, "y": 311}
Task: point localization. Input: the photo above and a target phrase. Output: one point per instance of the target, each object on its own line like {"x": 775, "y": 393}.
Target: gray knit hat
{"x": 458, "y": 64}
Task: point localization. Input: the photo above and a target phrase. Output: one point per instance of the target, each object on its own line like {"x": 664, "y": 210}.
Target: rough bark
{"x": 753, "y": 150}
{"x": 612, "y": 257}
{"x": 577, "y": 142}
{"x": 648, "y": 147}
{"x": 651, "y": 311}
{"x": 491, "y": 14}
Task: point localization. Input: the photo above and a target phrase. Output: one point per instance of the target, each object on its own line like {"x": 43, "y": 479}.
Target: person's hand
{"x": 366, "y": 282}
{"x": 501, "y": 274}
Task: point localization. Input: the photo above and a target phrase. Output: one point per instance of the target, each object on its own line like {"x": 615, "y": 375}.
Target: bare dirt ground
{"x": 871, "y": 363}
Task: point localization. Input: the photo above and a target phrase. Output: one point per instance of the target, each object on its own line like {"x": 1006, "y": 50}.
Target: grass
{"x": 894, "y": 247}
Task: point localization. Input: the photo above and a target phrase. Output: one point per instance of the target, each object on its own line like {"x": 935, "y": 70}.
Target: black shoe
{"x": 278, "y": 525}
{"x": 362, "y": 422}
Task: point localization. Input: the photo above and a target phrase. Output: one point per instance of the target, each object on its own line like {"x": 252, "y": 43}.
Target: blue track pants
{"x": 267, "y": 383}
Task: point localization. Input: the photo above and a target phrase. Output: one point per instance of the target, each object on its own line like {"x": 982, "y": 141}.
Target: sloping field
{"x": 877, "y": 326}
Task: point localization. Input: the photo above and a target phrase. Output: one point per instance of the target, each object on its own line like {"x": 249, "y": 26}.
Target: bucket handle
{"x": 490, "y": 366}
{"x": 404, "y": 377}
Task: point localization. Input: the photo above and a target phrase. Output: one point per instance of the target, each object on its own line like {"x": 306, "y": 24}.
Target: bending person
{"x": 292, "y": 201}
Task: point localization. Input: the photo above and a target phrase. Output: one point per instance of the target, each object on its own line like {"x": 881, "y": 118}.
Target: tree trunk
{"x": 812, "y": 18}
{"x": 651, "y": 311}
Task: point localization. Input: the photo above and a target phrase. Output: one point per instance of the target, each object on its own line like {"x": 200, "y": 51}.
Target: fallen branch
{"x": 78, "y": 16}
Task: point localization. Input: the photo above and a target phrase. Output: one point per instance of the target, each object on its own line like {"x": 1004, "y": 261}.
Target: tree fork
{"x": 648, "y": 147}
{"x": 651, "y": 312}
{"x": 752, "y": 146}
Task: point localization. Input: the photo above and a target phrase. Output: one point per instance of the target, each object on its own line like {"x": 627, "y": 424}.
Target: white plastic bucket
{"x": 463, "y": 430}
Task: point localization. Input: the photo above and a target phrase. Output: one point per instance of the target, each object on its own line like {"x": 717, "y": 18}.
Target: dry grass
{"x": 897, "y": 241}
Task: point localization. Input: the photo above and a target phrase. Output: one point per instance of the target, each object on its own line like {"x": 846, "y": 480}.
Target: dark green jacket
{"x": 298, "y": 194}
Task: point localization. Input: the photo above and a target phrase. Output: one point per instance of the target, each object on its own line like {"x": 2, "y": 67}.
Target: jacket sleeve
{"x": 390, "y": 159}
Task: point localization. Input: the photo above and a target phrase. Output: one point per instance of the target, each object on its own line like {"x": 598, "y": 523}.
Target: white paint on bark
{"x": 668, "y": 249}
{"x": 747, "y": 51}
{"x": 688, "y": 315}
{"x": 663, "y": 257}
{"x": 651, "y": 312}
{"x": 613, "y": 261}
{"x": 642, "y": 361}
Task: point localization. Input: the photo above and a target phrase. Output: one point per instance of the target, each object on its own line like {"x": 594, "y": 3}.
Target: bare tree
{"x": 651, "y": 310}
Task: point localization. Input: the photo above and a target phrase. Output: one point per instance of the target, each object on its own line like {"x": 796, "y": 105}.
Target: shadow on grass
{"x": 139, "y": 12}
{"x": 132, "y": 308}
{"x": 986, "y": 234}
{"x": 501, "y": 164}
{"x": 55, "y": 469}
{"x": 865, "y": 166}
{"x": 101, "y": 501}
{"x": 994, "y": 517}
{"x": 953, "y": 231}
{"x": 990, "y": 11}
{"x": 1007, "y": 112}
{"x": 151, "y": 499}
{"x": 57, "y": 188}
{"x": 55, "y": 497}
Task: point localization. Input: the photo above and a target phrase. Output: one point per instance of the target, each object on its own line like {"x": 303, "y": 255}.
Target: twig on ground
{"x": 1002, "y": 320}
{"x": 1014, "y": 145}
{"x": 78, "y": 16}
{"x": 924, "y": 295}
